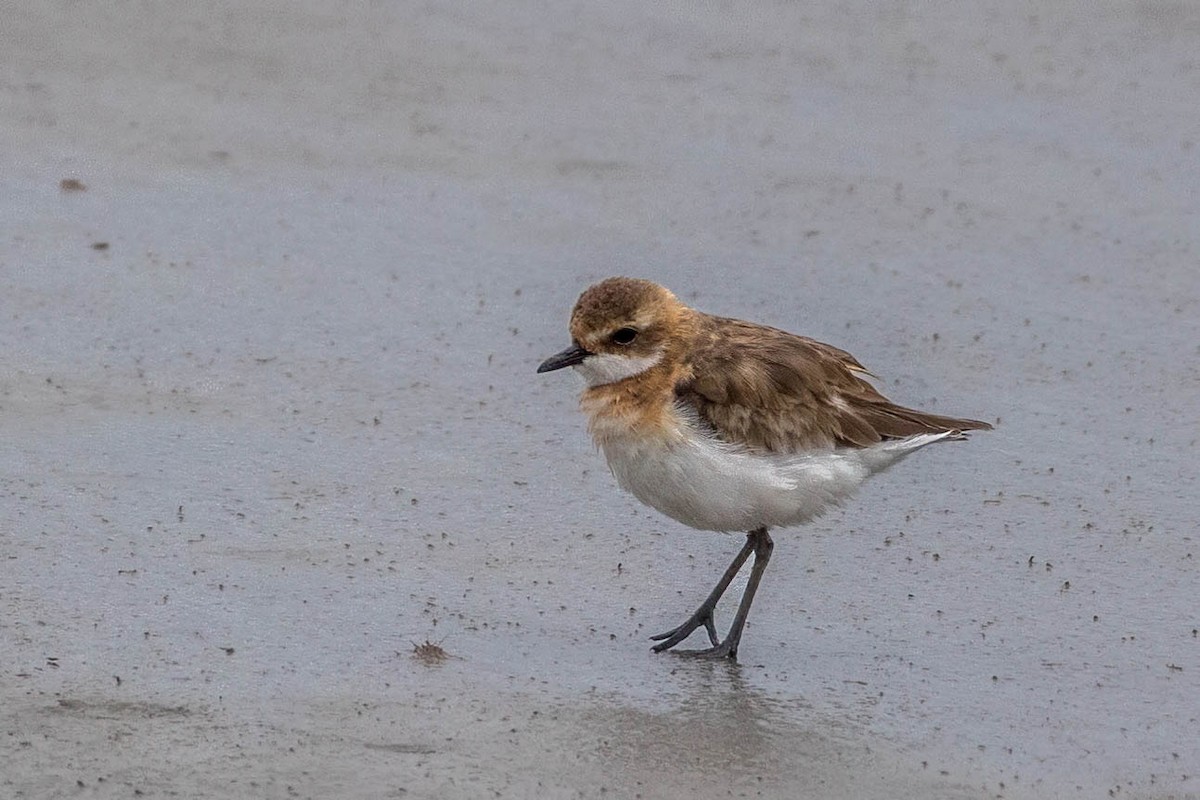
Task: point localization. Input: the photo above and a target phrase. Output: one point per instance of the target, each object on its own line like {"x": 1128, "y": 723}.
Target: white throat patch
{"x": 604, "y": 368}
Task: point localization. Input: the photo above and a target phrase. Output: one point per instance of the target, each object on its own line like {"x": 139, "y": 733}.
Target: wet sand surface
{"x": 271, "y": 421}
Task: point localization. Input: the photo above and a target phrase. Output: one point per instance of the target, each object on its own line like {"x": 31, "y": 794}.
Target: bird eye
{"x": 624, "y": 336}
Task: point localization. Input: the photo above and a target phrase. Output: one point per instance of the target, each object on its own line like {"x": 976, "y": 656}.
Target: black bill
{"x": 567, "y": 358}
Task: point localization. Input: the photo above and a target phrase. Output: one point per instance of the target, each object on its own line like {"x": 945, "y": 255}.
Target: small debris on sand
{"x": 429, "y": 653}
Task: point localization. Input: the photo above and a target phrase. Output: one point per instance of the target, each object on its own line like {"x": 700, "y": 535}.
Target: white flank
{"x": 604, "y": 368}
{"x": 712, "y": 485}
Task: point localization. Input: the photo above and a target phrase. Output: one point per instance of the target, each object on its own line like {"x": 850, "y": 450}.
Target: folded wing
{"x": 783, "y": 393}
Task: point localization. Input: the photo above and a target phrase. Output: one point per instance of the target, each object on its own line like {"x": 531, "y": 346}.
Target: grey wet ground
{"x": 270, "y": 418}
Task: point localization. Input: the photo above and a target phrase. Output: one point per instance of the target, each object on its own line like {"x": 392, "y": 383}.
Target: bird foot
{"x": 703, "y": 616}
{"x": 714, "y": 653}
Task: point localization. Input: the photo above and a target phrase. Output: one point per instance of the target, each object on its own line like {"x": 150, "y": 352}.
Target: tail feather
{"x": 886, "y": 453}
{"x": 897, "y": 422}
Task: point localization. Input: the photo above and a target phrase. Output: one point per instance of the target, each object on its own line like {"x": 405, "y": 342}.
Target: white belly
{"x": 711, "y": 485}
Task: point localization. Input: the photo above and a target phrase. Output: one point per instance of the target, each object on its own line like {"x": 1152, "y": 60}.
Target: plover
{"x": 727, "y": 425}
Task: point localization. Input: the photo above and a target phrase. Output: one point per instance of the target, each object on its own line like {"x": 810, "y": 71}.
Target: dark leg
{"x": 704, "y": 614}
{"x": 758, "y": 542}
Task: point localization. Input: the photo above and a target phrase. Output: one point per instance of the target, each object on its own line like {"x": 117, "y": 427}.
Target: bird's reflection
{"x": 717, "y": 726}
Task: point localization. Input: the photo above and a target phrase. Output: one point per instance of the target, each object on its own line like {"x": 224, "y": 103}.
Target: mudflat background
{"x": 270, "y": 418}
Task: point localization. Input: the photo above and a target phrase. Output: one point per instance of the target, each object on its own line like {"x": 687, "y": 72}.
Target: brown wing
{"x": 785, "y": 393}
